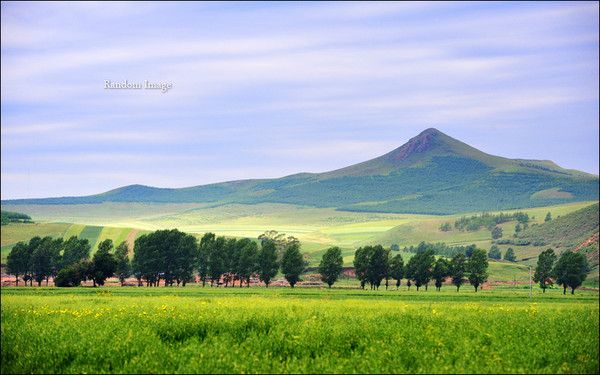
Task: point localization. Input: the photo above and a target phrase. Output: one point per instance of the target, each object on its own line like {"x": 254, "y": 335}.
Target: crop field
{"x": 204, "y": 330}
{"x": 315, "y": 227}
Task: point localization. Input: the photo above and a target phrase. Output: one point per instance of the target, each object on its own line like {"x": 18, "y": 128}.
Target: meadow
{"x": 217, "y": 330}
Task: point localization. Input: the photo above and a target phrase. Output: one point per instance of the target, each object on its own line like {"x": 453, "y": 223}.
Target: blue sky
{"x": 266, "y": 90}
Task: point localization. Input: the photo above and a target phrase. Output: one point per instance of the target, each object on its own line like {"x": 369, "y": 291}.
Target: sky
{"x": 264, "y": 90}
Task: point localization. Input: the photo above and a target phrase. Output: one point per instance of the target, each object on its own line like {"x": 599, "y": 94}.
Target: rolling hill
{"x": 432, "y": 173}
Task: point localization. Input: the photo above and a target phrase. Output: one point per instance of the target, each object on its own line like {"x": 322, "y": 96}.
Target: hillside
{"x": 432, "y": 173}
{"x": 567, "y": 231}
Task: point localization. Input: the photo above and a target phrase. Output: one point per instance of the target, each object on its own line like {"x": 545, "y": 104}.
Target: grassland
{"x": 13, "y": 233}
{"x": 317, "y": 228}
{"x": 196, "y": 330}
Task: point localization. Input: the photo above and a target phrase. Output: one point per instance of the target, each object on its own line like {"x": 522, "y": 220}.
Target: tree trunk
{"x": 572, "y": 290}
{"x": 426, "y": 286}
{"x": 543, "y": 290}
{"x": 17, "y": 280}
{"x": 564, "y": 289}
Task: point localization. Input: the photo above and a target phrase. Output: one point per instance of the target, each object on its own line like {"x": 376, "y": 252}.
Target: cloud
{"x": 286, "y": 87}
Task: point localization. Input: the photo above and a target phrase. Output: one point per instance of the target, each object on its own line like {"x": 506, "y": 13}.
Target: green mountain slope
{"x": 566, "y": 231}
{"x": 432, "y": 173}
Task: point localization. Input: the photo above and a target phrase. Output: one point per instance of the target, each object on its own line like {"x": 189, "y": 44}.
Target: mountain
{"x": 432, "y": 173}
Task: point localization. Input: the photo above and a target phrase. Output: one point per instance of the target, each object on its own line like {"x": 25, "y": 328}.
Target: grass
{"x": 196, "y": 330}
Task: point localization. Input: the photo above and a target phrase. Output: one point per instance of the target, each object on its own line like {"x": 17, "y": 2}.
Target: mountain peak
{"x": 427, "y": 141}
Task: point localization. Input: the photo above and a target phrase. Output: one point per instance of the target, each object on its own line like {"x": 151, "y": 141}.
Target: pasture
{"x": 235, "y": 330}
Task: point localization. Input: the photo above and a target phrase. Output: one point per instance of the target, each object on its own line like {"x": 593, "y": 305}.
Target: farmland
{"x": 216, "y": 330}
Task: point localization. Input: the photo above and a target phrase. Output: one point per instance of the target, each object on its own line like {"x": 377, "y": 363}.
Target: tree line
{"x": 375, "y": 264}
{"x": 170, "y": 256}
{"x": 174, "y": 258}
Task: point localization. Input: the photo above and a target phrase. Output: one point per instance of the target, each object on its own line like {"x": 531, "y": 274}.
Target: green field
{"x": 257, "y": 330}
{"x": 317, "y": 228}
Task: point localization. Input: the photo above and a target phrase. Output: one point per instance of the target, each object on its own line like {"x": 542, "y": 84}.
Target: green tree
{"x": 147, "y": 257}
{"x": 75, "y": 249}
{"x": 292, "y": 264}
{"x": 477, "y": 268}
{"x": 247, "y": 264}
{"x": 216, "y": 260}
{"x": 361, "y": 264}
{"x": 378, "y": 267}
{"x": 441, "y": 270}
{"x": 123, "y": 269}
{"x": 41, "y": 260}
{"x": 104, "y": 263}
{"x": 494, "y": 252}
{"x": 445, "y": 227}
{"x": 420, "y": 267}
{"x": 185, "y": 258}
{"x": 397, "y": 269}
{"x": 517, "y": 229}
{"x": 509, "y": 255}
{"x": 496, "y": 232}
{"x": 548, "y": 217}
{"x": 543, "y": 270}
{"x": 331, "y": 265}
{"x": 17, "y": 261}
{"x": 206, "y": 244}
{"x": 458, "y": 265}
{"x": 571, "y": 270}
{"x": 267, "y": 262}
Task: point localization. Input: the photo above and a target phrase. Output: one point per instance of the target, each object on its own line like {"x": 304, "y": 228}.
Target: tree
{"x": 247, "y": 264}
{"x": 74, "y": 274}
{"x": 185, "y": 258}
{"x": 571, "y": 270}
{"x": 496, "y": 232}
{"x": 397, "y": 269}
{"x": 292, "y": 264}
{"x": 229, "y": 260}
{"x": 543, "y": 270}
{"x": 395, "y": 247}
{"x": 361, "y": 264}
{"x": 445, "y": 227}
{"x": 548, "y": 217}
{"x": 41, "y": 260}
{"x": 17, "y": 261}
{"x": 477, "y": 268}
{"x": 469, "y": 250}
{"x": 267, "y": 262}
{"x": 75, "y": 250}
{"x": 123, "y": 268}
{"x": 216, "y": 260}
{"x": 331, "y": 265}
{"x": 202, "y": 257}
{"x": 104, "y": 263}
{"x": 280, "y": 240}
{"x": 147, "y": 257}
{"x": 458, "y": 266}
{"x": 517, "y": 229}
{"x": 420, "y": 266}
{"x": 441, "y": 270}
{"x": 494, "y": 252}
{"x": 509, "y": 255}
{"x": 378, "y": 267}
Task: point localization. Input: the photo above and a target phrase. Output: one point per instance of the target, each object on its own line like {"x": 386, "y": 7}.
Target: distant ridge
{"x": 432, "y": 173}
